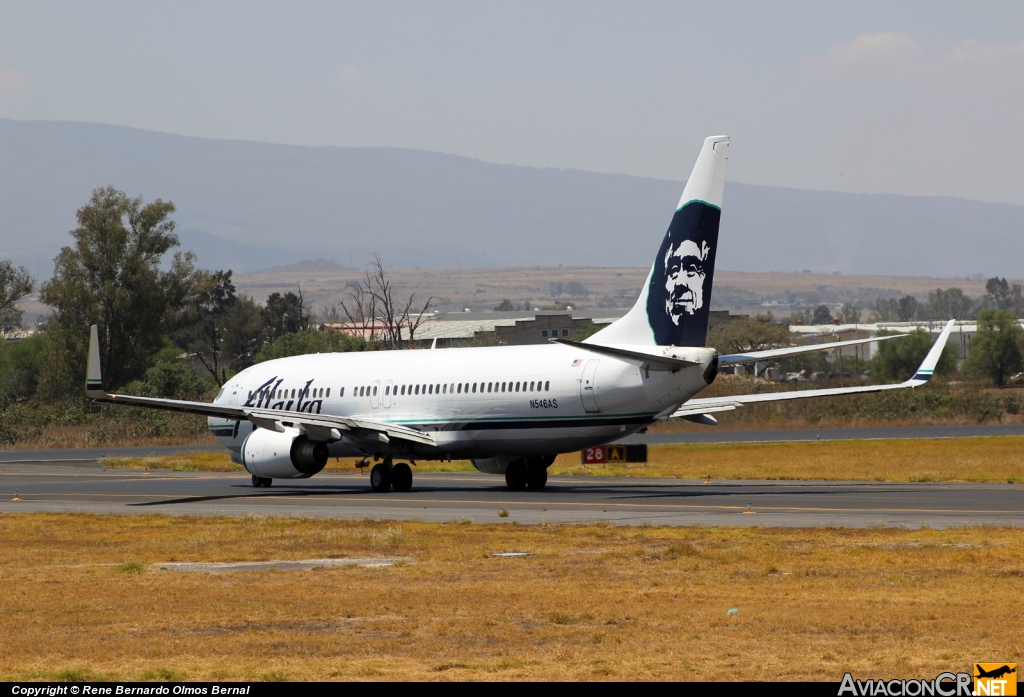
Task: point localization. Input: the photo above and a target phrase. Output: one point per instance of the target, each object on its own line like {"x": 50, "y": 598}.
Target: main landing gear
{"x": 385, "y": 475}
{"x": 261, "y": 481}
{"x": 530, "y": 473}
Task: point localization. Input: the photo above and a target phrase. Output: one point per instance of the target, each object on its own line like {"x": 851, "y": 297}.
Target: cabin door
{"x": 375, "y": 395}
{"x": 588, "y": 385}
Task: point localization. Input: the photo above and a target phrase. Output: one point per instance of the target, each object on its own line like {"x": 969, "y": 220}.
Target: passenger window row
{"x": 469, "y": 388}
{"x": 403, "y": 390}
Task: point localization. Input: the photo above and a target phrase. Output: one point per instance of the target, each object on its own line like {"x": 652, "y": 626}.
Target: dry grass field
{"x": 83, "y": 437}
{"x": 997, "y": 459}
{"x": 323, "y": 284}
{"x": 84, "y": 598}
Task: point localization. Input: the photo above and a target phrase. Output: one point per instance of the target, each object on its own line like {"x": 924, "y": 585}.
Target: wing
{"x": 318, "y": 426}
{"x": 753, "y": 356}
{"x": 923, "y": 375}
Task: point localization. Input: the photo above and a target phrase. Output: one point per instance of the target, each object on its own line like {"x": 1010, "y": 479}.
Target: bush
{"x": 996, "y": 350}
{"x": 302, "y": 343}
{"x": 20, "y": 365}
{"x": 171, "y": 376}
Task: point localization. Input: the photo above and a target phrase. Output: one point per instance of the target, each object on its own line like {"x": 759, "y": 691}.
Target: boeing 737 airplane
{"x": 509, "y": 409}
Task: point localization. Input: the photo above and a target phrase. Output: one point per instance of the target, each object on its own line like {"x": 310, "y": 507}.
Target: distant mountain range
{"x": 248, "y": 206}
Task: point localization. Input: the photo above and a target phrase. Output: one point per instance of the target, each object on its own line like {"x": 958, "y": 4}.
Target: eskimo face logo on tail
{"x": 679, "y": 295}
{"x": 684, "y": 279}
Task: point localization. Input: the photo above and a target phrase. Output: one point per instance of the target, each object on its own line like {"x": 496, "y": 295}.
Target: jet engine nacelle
{"x": 288, "y": 455}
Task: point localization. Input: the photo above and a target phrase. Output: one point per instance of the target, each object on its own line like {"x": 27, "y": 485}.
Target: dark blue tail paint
{"x": 679, "y": 296}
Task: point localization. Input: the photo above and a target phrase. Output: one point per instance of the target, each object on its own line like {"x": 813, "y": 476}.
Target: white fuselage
{"x": 476, "y": 402}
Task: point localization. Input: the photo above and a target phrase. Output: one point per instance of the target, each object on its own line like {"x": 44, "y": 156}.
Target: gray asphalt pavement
{"x": 87, "y": 487}
{"x": 711, "y": 435}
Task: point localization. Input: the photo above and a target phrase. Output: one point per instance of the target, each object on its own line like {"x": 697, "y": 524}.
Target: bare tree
{"x": 373, "y": 302}
{"x": 330, "y": 314}
{"x": 361, "y": 306}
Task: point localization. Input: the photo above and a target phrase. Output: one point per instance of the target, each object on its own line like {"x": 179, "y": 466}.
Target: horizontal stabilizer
{"x": 656, "y": 358}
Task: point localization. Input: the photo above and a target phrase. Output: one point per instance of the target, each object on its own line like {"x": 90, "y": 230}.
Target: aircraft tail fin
{"x": 673, "y": 306}
{"x": 93, "y": 376}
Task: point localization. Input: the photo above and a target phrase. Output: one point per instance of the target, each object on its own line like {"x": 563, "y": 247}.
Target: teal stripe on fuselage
{"x": 491, "y": 419}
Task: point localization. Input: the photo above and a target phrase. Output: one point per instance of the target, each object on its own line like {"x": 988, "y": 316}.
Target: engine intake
{"x": 711, "y": 372}
{"x": 288, "y": 455}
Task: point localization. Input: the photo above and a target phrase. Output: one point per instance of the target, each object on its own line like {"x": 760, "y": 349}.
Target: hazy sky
{"x": 896, "y": 97}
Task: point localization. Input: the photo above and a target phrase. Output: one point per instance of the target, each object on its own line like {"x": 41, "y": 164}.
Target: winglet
{"x": 924, "y": 373}
{"x": 93, "y": 376}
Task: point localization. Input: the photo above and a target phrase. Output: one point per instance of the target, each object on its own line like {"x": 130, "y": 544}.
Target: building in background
{"x": 515, "y": 328}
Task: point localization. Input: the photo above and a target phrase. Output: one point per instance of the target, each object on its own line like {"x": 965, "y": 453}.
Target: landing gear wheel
{"x": 537, "y": 477}
{"x": 401, "y": 477}
{"x": 261, "y": 481}
{"x": 515, "y": 476}
{"x": 380, "y": 478}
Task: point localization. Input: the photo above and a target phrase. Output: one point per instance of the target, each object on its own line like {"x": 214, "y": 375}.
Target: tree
{"x": 15, "y": 284}
{"x": 885, "y": 309}
{"x": 504, "y": 306}
{"x": 331, "y": 315}
{"x": 556, "y": 288}
{"x": 743, "y": 335}
{"x": 361, "y": 306}
{"x": 242, "y": 333}
{"x": 204, "y": 335}
{"x": 20, "y": 366}
{"x": 950, "y": 303}
{"x": 285, "y": 314}
{"x": 1000, "y": 295}
{"x": 172, "y": 375}
{"x": 798, "y": 317}
{"x": 112, "y": 278}
{"x": 906, "y": 308}
{"x": 575, "y": 289}
{"x": 895, "y": 310}
{"x": 821, "y": 315}
{"x": 996, "y": 350}
{"x": 849, "y": 313}
{"x": 374, "y": 301}
{"x": 899, "y": 359}
{"x": 327, "y": 341}
{"x": 587, "y": 331}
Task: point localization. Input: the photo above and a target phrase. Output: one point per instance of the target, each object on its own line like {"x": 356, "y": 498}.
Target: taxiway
{"x": 85, "y": 486}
